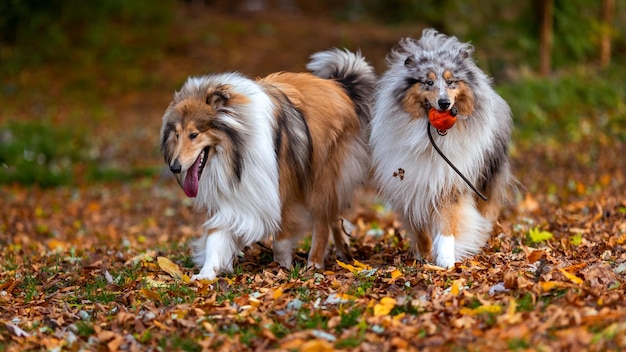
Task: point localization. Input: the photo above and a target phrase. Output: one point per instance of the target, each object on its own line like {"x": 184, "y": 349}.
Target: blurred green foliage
{"x": 583, "y": 104}
{"x": 38, "y": 153}
{"x": 79, "y": 32}
{"x": 508, "y": 32}
{"x": 49, "y": 155}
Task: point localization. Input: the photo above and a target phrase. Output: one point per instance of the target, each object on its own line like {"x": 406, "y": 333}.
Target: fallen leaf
{"x": 317, "y": 345}
{"x": 551, "y": 285}
{"x": 169, "y": 267}
{"x": 573, "y": 278}
{"x": 536, "y": 255}
{"x": 487, "y": 308}
{"x": 16, "y": 330}
{"x": 539, "y": 236}
{"x": 455, "y": 288}
{"x": 384, "y": 307}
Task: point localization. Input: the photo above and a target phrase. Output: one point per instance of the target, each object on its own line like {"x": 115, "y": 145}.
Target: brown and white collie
{"x": 277, "y": 156}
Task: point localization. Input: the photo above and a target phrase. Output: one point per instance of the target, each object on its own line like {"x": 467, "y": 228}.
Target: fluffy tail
{"x": 352, "y": 72}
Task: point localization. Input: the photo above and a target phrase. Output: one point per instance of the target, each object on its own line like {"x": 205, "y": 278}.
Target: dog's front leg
{"x": 443, "y": 250}
{"x": 215, "y": 253}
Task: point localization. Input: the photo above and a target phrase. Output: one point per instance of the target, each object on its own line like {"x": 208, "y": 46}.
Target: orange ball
{"x": 441, "y": 120}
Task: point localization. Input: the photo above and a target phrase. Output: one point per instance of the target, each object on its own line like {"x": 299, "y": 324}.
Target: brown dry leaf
{"x": 536, "y": 255}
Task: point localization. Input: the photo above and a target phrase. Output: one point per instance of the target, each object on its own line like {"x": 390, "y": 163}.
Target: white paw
{"x": 208, "y": 274}
{"x": 443, "y": 251}
{"x": 445, "y": 260}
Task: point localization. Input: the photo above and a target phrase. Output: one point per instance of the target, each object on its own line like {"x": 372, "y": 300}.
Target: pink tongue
{"x": 190, "y": 186}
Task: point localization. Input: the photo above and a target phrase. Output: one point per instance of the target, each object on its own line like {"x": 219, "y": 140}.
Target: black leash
{"x": 432, "y": 141}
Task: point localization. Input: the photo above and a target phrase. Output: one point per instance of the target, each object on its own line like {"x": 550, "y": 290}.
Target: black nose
{"x": 444, "y": 103}
{"x": 175, "y": 167}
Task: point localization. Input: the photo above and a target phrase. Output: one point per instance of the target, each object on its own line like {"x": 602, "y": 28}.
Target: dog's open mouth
{"x": 190, "y": 186}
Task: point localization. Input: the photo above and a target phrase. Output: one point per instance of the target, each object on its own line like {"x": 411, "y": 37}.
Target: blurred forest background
{"x": 83, "y": 84}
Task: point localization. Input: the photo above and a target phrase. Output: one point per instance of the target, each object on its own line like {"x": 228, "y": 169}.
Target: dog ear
{"x": 410, "y": 61}
{"x": 218, "y": 97}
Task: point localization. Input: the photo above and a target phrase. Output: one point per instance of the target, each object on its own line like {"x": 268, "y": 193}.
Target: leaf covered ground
{"x": 106, "y": 266}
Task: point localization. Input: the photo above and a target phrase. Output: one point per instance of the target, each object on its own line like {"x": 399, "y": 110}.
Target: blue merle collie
{"x": 445, "y": 219}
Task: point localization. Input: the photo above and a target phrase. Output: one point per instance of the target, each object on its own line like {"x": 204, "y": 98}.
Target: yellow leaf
{"x": 454, "y": 290}
{"x": 388, "y": 301}
{"x": 346, "y": 266}
{"x": 466, "y": 311}
{"x": 380, "y": 310}
{"x": 511, "y": 317}
{"x": 169, "y": 267}
{"x": 384, "y": 307}
{"x": 56, "y": 245}
{"x": 277, "y": 293}
{"x": 399, "y": 316}
{"x": 510, "y": 311}
{"x": 396, "y": 274}
{"x": 488, "y": 308}
{"x": 361, "y": 266}
{"x": 550, "y": 285}
{"x": 573, "y": 278}
{"x": 576, "y": 240}
{"x": 346, "y": 297}
{"x": 539, "y": 236}
{"x": 186, "y": 278}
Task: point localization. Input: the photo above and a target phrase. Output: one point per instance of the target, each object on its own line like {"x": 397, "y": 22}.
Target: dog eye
{"x": 176, "y": 134}
{"x": 450, "y": 82}
{"x": 193, "y": 136}
{"x": 429, "y": 83}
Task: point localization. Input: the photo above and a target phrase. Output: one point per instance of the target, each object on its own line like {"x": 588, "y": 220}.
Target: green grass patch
{"x": 311, "y": 319}
{"x": 38, "y": 153}
{"x": 517, "y": 344}
{"x": 580, "y": 104}
{"x": 84, "y": 328}
{"x": 179, "y": 343}
{"x": 525, "y": 303}
{"x": 48, "y": 155}
{"x": 97, "y": 291}
{"x": 29, "y": 286}
{"x": 176, "y": 293}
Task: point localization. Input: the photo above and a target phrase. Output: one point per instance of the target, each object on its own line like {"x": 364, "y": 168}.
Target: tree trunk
{"x": 546, "y": 36}
{"x": 608, "y": 7}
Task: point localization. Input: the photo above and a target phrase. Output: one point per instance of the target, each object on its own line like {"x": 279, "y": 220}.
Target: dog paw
{"x": 204, "y": 275}
{"x": 314, "y": 265}
{"x": 445, "y": 260}
{"x": 443, "y": 251}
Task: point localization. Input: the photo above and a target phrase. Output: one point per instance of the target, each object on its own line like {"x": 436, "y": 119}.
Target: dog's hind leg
{"x": 283, "y": 250}
{"x": 341, "y": 241}
{"x": 319, "y": 242}
{"x": 296, "y": 220}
